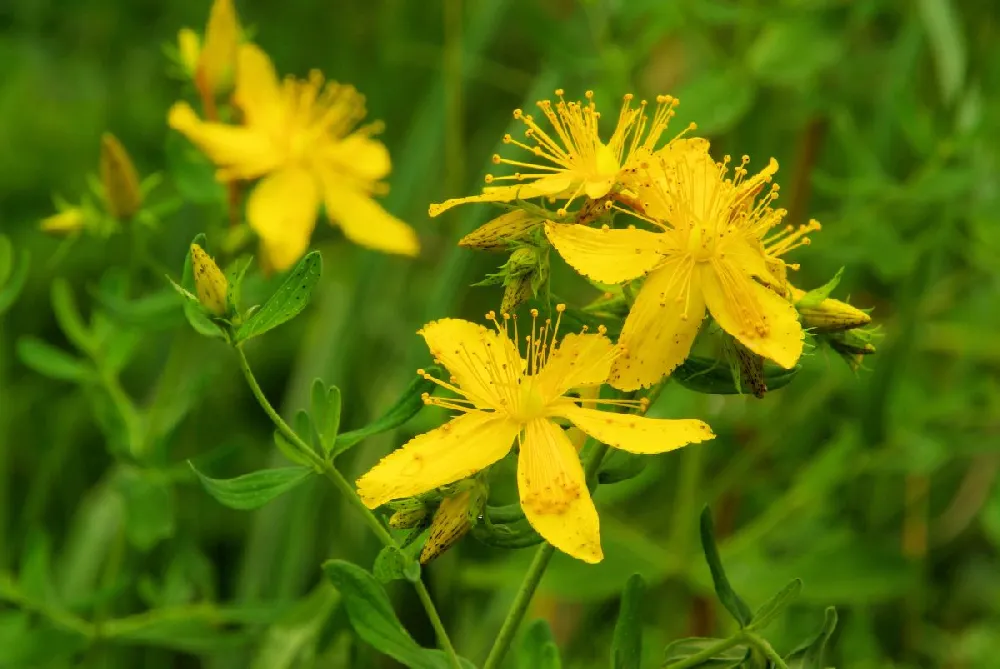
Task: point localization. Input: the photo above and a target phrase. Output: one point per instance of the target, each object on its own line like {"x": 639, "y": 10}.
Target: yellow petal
{"x": 244, "y": 153}
{"x": 360, "y": 156}
{"x": 581, "y": 360}
{"x": 605, "y": 255}
{"x": 218, "y": 55}
{"x": 485, "y": 365}
{"x": 550, "y": 185}
{"x": 282, "y": 211}
{"x": 760, "y": 319}
{"x": 454, "y": 451}
{"x": 365, "y": 222}
{"x": 553, "y": 491}
{"x": 258, "y": 92}
{"x": 682, "y": 185}
{"x": 122, "y": 194}
{"x": 497, "y": 235}
{"x": 748, "y": 253}
{"x": 660, "y": 327}
{"x": 636, "y": 434}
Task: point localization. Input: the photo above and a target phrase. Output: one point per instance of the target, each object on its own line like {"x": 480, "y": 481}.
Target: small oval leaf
{"x": 291, "y": 298}
{"x": 253, "y": 490}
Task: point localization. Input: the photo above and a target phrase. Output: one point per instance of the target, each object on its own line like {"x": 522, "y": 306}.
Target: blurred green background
{"x": 879, "y": 489}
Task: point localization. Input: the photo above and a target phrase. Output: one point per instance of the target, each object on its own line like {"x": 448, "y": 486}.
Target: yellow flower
{"x": 301, "y": 136}
{"x": 576, "y": 160}
{"x": 708, "y": 253}
{"x": 122, "y": 194}
{"x": 66, "y": 222}
{"x": 504, "y": 399}
{"x": 188, "y": 50}
{"x": 209, "y": 282}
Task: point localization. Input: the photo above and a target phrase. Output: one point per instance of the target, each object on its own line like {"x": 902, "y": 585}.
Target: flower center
{"x": 701, "y": 244}
{"x": 530, "y": 403}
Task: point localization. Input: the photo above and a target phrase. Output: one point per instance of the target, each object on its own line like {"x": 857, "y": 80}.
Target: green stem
{"x": 533, "y": 577}
{"x": 9, "y": 592}
{"x": 763, "y": 646}
{"x": 520, "y": 605}
{"x": 707, "y": 653}
{"x": 342, "y": 484}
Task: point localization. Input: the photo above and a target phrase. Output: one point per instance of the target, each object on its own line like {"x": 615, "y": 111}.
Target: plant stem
{"x": 707, "y": 653}
{"x": 533, "y": 577}
{"x": 342, "y": 484}
{"x": 763, "y": 646}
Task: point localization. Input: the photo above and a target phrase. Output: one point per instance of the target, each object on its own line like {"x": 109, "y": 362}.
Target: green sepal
{"x": 393, "y": 564}
{"x": 813, "y": 297}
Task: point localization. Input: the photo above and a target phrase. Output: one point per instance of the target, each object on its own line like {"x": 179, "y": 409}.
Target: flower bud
{"x": 408, "y": 513}
{"x": 453, "y": 518}
{"x": 122, "y": 195}
{"x": 189, "y": 50}
{"x": 217, "y": 58}
{"x": 209, "y": 282}
{"x": 502, "y": 231}
{"x": 65, "y": 222}
{"x": 829, "y": 315}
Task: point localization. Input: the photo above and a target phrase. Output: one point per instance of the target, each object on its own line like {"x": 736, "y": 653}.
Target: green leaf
{"x": 156, "y": 310}
{"x": 291, "y": 298}
{"x": 773, "y": 607}
{"x": 302, "y": 424}
{"x": 253, "y": 490}
{"x": 68, "y": 316}
{"x": 813, "y": 297}
{"x": 793, "y": 53}
{"x": 373, "y": 619}
{"x": 810, "y": 655}
{"x": 944, "y": 32}
{"x": 392, "y": 564}
{"x": 682, "y": 649}
{"x": 733, "y": 603}
{"x": 538, "y": 649}
{"x": 626, "y": 645}
{"x": 715, "y": 377}
{"x": 53, "y": 362}
{"x": 13, "y": 273}
{"x": 149, "y": 507}
{"x": 290, "y": 450}
{"x": 26, "y": 644}
{"x": 407, "y": 406}
{"x": 325, "y": 406}
{"x": 298, "y": 630}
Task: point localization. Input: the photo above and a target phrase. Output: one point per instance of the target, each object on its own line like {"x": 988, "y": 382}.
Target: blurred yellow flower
{"x": 212, "y": 64}
{"x": 576, "y": 161}
{"x": 504, "y": 398}
{"x": 301, "y": 136}
{"x": 708, "y": 253}
{"x": 65, "y": 222}
{"x": 120, "y": 182}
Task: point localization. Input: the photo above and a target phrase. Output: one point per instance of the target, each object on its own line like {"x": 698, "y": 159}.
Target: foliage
{"x": 876, "y": 487}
